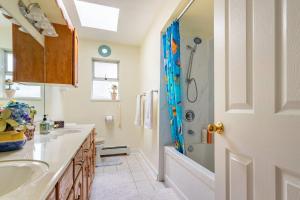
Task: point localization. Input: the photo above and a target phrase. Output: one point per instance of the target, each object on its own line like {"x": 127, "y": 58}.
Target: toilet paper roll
{"x": 109, "y": 119}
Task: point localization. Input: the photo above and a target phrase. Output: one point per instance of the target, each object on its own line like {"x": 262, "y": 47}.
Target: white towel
{"x": 148, "y": 110}
{"x": 138, "y": 110}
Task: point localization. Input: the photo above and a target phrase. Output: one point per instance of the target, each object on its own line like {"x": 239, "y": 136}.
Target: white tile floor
{"x": 132, "y": 180}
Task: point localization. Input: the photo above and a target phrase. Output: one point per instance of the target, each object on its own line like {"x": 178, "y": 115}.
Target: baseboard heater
{"x": 116, "y": 150}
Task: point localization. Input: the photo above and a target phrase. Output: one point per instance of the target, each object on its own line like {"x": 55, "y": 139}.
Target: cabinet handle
{"x": 85, "y": 150}
{"x": 80, "y": 162}
{"x": 78, "y": 197}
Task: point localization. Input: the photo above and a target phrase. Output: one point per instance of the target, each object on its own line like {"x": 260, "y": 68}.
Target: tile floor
{"x": 132, "y": 180}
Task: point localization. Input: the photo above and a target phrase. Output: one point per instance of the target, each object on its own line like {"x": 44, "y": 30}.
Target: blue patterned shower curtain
{"x": 172, "y": 68}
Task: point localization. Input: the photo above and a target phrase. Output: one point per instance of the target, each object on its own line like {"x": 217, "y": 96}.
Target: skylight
{"x": 97, "y": 16}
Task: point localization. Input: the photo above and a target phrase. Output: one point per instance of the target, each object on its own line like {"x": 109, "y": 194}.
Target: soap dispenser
{"x": 44, "y": 126}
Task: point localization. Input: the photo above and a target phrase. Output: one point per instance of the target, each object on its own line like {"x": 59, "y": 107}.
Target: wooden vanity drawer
{"x": 65, "y": 184}
{"x": 78, "y": 162}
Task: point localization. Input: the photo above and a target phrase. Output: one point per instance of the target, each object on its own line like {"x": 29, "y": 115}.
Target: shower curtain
{"x": 171, "y": 55}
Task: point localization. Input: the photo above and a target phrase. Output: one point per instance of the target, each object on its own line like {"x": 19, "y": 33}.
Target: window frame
{"x": 6, "y": 72}
{"x": 94, "y": 78}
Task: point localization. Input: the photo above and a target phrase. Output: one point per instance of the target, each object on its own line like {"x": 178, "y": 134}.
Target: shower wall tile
{"x": 202, "y": 71}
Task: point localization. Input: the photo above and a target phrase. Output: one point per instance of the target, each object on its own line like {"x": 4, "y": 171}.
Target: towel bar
{"x": 153, "y": 91}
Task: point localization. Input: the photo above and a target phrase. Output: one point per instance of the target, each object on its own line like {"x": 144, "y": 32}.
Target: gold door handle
{"x": 216, "y": 127}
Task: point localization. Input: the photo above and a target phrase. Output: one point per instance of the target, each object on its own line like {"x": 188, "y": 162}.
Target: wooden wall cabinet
{"x": 76, "y": 182}
{"x": 61, "y": 56}
{"x": 56, "y": 63}
{"x": 28, "y": 57}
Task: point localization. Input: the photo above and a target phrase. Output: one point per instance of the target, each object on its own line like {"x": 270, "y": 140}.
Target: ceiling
{"x": 199, "y": 19}
{"x": 135, "y": 18}
{"x": 48, "y": 6}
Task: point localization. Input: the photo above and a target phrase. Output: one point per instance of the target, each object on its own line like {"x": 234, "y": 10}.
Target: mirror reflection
{"x": 31, "y": 93}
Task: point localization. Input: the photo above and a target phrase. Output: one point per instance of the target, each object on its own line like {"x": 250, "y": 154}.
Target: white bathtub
{"x": 189, "y": 179}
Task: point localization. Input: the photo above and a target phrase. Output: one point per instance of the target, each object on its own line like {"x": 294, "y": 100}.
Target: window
{"x": 22, "y": 91}
{"x": 105, "y": 80}
{"x": 98, "y": 16}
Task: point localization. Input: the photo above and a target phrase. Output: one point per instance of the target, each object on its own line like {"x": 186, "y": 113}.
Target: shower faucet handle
{"x": 217, "y": 127}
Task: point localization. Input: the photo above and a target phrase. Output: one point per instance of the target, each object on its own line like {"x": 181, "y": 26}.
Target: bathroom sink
{"x": 17, "y": 173}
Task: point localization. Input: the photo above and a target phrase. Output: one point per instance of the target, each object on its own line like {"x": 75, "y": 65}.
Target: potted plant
{"x": 114, "y": 92}
{"x": 9, "y": 91}
{"x": 16, "y": 119}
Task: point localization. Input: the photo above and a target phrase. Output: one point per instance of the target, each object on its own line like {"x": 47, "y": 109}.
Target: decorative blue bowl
{"x": 11, "y": 146}
{"x": 12, "y": 140}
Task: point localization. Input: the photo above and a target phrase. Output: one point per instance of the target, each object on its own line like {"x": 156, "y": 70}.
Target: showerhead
{"x": 197, "y": 40}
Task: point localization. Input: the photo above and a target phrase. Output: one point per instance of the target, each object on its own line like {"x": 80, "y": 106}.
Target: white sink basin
{"x": 17, "y": 173}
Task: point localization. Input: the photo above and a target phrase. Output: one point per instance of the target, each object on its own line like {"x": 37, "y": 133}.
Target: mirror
{"x": 12, "y": 9}
{"x": 31, "y": 94}
{"x": 19, "y": 46}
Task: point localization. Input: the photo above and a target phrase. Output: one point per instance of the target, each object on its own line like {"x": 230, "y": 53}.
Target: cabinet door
{"x": 71, "y": 195}
{"x": 78, "y": 162}
{"x": 59, "y": 56}
{"x": 85, "y": 180}
{"x": 65, "y": 183}
{"x": 90, "y": 176}
{"x": 28, "y": 57}
{"x": 75, "y": 58}
{"x": 78, "y": 187}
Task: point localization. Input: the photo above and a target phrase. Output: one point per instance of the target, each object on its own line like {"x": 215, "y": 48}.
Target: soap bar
{"x": 204, "y": 136}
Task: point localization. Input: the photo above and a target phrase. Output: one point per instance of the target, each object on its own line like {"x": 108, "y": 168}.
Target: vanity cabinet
{"x": 55, "y": 63}
{"x": 76, "y": 181}
{"x": 65, "y": 184}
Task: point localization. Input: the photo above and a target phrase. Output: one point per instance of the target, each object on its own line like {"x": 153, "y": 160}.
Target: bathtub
{"x": 190, "y": 180}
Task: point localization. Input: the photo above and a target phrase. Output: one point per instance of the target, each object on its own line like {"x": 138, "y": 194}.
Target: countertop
{"x": 55, "y": 149}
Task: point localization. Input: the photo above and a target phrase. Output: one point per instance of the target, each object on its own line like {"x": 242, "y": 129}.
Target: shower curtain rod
{"x": 185, "y": 9}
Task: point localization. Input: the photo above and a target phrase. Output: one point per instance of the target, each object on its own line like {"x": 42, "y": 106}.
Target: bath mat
{"x": 108, "y": 161}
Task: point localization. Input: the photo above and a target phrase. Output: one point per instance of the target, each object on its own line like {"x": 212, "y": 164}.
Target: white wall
{"x": 54, "y": 106}
{"x": 150, "y": 78}
{"x": 5, "y": 37}
{"x": 79, "y": 108}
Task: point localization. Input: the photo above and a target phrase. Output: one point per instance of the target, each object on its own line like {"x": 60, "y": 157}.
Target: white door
{"x": 257, "y": 97}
